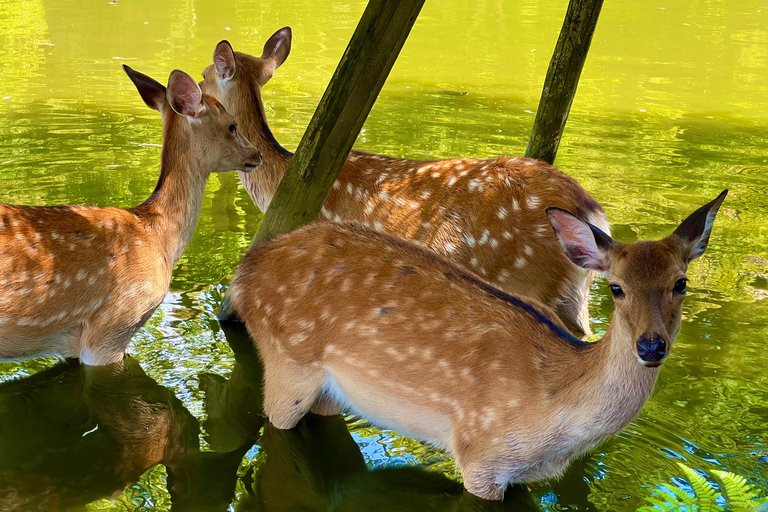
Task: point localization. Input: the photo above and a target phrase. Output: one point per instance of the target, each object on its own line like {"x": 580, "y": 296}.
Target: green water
{"x": 672, "y": 108}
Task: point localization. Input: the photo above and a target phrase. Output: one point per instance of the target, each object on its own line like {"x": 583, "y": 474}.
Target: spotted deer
{"x": 484, "y": 214}
{"x": 344, "y": 315}
{"x": 79, "y": 281}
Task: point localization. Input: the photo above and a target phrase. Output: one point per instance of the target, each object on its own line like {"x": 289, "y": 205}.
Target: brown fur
{"x": 484, "y": 214}
{"x": 415, "y": 343}
{"x": 79, "y": 281}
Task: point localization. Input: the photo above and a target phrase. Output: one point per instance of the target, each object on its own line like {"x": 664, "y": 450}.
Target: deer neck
{"x": 619, "y": 384}
{"x": 171, "y": 213}
{"x": 263, "y": 182}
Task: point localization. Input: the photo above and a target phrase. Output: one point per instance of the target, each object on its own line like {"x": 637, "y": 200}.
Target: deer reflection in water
{"x": 73, "y": 434}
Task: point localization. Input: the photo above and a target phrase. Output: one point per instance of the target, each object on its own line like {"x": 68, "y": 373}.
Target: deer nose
{"x": 651, "y": 348}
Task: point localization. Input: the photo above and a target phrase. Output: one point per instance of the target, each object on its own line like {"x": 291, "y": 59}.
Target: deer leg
{"x": 289, "y": 392}
{"x": 479, "y": 468}
{"x": 326, "y": 405}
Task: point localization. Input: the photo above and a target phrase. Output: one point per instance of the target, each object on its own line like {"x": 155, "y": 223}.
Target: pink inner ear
{"x": 224, "y": 61}
{"x": 577, "y": 241}
{"x": 185, "y": 96}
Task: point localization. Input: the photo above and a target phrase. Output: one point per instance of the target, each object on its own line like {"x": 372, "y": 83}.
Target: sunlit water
{"x": 672, "y": 108}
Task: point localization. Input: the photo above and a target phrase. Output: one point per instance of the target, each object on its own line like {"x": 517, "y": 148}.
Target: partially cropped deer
{"x": 79, "y": 281}
{"x": 484, "y": 214}
{"x": 345, "y": 315}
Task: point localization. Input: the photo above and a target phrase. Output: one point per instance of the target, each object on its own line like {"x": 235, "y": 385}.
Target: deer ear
{"x": 276, "y": 50}
{"x": 184, "y": 95}
{"x": 224, "y": 61}
{"x": 150, "y": 90}
{"x": 694, "y": 231}
{"x": 584, "y": 244}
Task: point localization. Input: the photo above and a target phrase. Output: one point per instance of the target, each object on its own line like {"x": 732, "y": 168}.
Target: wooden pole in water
{"x": 563, "y": 78}
{"x": 354, "y": 87}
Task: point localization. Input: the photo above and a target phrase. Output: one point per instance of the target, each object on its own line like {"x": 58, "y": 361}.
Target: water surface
{"x": 672, "y": 108}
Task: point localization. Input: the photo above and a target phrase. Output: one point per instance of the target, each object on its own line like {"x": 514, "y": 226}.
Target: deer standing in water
{"x": 79, "y": 281}
{"x": 345, "y": 315}
{"x": 484, "y": 214}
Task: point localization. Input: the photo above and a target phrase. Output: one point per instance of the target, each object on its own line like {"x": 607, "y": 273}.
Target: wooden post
{"x": 563, "y": 78}
{"x": 354, "y": 87}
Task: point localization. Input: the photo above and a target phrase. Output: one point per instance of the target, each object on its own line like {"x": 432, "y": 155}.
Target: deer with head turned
{"x": 79, "y": 281}
{"x": 484, "y": 214}
{"x": 343, "y": 315}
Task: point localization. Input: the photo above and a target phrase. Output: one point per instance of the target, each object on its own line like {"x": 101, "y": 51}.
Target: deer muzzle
{"x": 652, "y": 349}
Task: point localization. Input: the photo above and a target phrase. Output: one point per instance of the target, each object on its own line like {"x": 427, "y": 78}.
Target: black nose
{"x": 651, "y": 347}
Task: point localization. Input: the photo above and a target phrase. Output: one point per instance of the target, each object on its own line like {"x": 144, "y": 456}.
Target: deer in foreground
{"x": 419, "y": 345}
{"x": 79, "y": 281}
{"x": 484, "y": 214}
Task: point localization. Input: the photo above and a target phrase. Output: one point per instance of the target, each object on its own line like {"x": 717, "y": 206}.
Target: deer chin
{"x": 651, "y": 364}
{"x": 250, "y": 167}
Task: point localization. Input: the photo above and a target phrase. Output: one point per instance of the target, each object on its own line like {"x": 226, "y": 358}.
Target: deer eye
{"x": 232, "y": 128}
{"x": 680, "y": 286}
{"x": 616, "y": 290}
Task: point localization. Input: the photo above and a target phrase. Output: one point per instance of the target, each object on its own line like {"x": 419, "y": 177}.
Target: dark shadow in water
{"x": 73, "y": 434}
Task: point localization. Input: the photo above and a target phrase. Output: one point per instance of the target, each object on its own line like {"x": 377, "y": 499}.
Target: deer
{"x": 487, "y": 215}
{"x": 344, "y": 316}
{"x": 79, "y": 281}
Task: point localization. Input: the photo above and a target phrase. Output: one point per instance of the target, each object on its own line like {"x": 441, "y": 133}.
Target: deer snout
{"x": 253, "y": 159}
{"x": 652, "y": 348}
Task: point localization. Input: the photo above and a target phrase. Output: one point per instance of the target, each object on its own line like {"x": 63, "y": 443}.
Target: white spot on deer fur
{"x": 25, "y": 320}
{"x": 24, "y": 291}
{"x": 56, "y": 236}
{"x": 528, "y": 251}
{"x": 425, "y": 194}
{"x": 337, "y": 218}
{"x": 325, "y": 212}
{"x": 469, "y": 240}
{"x": 66, "y": 283}
{"x": 513, "y": 403}
{"x": 475, "y": 184}
{"x": 384, "y": 195}
{"x": 450, "y": 247}
{"x": 502, "y": 213}
{"x": 452, "y": 180}
{"x": 504, "y": 275}
{"x": 80, "y": 275}
{"x": 486, "y": 417}
{"x": 484, "y": 238}
{"x": 494, "y": 243}
{"x": 378, "y": 226}
{"x": 506, "y": 235}
{"x": 474, "y": 262}
{"x": 532, "y": 202}
{"x": 350, "y": 188}
{"x": 426, "y": 225}
{"x": 399, "y": 201}
{"x": 520, "y": 262}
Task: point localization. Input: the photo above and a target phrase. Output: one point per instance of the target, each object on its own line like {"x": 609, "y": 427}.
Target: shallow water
{"x": 672, "y": 108}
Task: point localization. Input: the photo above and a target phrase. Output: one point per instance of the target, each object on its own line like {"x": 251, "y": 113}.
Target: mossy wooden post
{"x": 350, "y": 95}
{"x": 563, "y": 78}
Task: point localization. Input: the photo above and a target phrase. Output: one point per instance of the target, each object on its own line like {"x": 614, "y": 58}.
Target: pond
{"x": 672, "y": 108}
